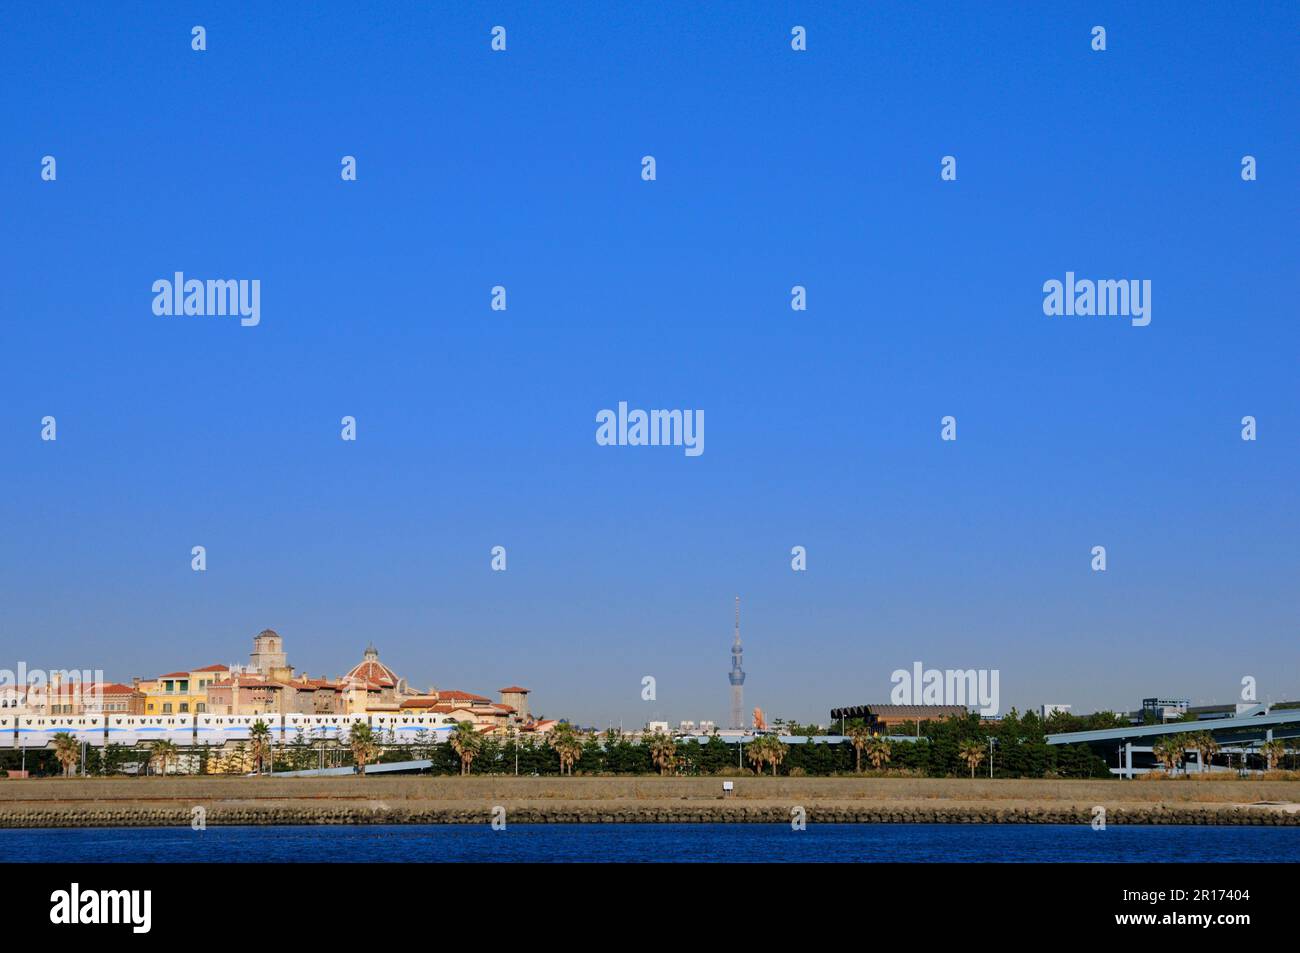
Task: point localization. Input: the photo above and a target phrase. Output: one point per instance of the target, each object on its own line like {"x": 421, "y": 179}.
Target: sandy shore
{"x": 443, "y": 800}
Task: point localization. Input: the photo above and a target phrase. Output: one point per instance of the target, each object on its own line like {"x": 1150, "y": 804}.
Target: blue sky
{"x": 476, "y": 428}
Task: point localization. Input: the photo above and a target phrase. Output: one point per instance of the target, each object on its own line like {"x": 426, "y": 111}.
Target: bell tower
{"x": 267, "y": 657}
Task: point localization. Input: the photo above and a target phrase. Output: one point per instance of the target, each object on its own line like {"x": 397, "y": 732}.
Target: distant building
{"x": 388, "y": 688}
{"x": 181, "y": 693}
{"x": 246, "y": 695}
{"x": 1165, "y": 709}
{"x": 67, "y": 698}
{"x": 268, "y": 658}
{"x": 268, "y": 685}
{"x": 516, "y": 698}
{"x": 1049, "y": 710}
{"x": 888, "y": 717}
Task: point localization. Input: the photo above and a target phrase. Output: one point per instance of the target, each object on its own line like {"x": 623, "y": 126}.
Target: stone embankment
{"x": 651, "y": 814}
{"x": 159, "y": 802}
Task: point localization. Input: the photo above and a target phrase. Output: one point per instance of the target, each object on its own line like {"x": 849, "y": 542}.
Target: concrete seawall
{"x": 157, "y": 802}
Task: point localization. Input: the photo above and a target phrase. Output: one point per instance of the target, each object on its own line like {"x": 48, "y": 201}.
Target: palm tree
{"x": 859, "y": 734}
{"x": 878, "y": 752}
{"x": 757, "y": 753}
{"x": 1206, "y": 747}
{"x": 663, "y": 751}
{"x": 1169, "y": 750}
{"x": 361, "y": 739}
{"x": 567, "y": 745}
{"x": 259, "y": 737}
{"x": 1272, "y": 752}
{"x": 972, "y": 752}
{"x": 68, "y": 750}
{"x": 162, "y": 753}
{"x": 466, "y": 742}
{"x": 776, "y": 751}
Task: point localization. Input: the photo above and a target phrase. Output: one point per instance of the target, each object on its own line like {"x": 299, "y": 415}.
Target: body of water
{"x": 657, "y": 843}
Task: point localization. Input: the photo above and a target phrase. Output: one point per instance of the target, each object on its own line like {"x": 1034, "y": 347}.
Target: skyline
{"x": 477, "y": 428}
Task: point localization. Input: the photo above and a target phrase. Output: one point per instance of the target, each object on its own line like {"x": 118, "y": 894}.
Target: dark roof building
{"x": 888, "y": 716}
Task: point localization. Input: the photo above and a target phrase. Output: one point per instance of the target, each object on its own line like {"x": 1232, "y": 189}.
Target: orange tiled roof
{"x": 463, "y": 696}
{"x": 373, "y": 670}
{"x": 422, "y": 702}
{"x": 246, "y": 681}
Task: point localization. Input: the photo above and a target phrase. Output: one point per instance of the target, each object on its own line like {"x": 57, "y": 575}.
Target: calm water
{"x": 660, "y": 842}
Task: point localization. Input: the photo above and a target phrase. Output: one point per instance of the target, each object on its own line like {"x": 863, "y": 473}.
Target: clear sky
{"x": 476, "y": 428}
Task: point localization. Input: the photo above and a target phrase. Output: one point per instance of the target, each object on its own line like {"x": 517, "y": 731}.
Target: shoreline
{"x": 172, "y": 802}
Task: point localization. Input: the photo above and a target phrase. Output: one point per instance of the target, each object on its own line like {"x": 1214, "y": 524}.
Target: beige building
{"x": 67, "y": 698}
{"x": 373, "y": 684}
{"x": 268, "y": 657}
{"x": 179, "y": 693}
{"x": 517, "y": 698}
{"x": 268, "y": 685}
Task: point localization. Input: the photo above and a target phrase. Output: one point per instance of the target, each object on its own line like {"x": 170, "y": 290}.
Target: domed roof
{"x": 370, "y": 669}
{"x": 268, "y": 634}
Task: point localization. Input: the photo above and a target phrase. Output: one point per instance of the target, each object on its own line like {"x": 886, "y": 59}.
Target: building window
{"x": 167, "y": 708}
{"x": 200, "y": 708}
{"x": 185, "y": 707}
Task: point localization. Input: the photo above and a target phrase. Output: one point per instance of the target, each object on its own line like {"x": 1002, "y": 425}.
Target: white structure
{"x": 1050, "y": 710}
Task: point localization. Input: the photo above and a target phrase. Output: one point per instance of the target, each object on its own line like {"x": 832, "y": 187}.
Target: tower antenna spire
{"x": 737, "y": 676}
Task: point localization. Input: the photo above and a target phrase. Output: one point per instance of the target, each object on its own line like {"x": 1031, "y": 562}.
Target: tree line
{"x": 953, "y": 747}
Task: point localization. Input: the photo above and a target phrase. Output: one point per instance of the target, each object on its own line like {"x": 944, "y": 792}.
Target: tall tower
{"x": 267, "y": 657}
{"x": 737, "y": 676}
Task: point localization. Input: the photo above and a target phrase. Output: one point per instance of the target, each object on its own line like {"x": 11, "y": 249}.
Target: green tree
{"x": 162, "y": 754}
{"x": 361, "y": 739}
{"x": 972, "y": 752}
{"x": 68, "y": 750}
{"x": 1272, "y": 752}
{"x": 259, "y": 743}
{"x": 879, "y": 752}
{"x": 466, "y": 742}
{"x": 1168, "y": 750}
{"x": 776, "y": 751}
{"x": 858, "y": 734}
{"x": 567, "y": 745}
{"x": 1206, "y": 748}
{"x": 663, "y": 752}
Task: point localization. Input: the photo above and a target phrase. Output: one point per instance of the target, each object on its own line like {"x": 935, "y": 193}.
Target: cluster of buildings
{"x": 269, "y": 685}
